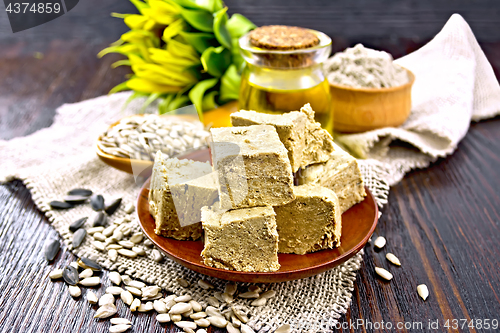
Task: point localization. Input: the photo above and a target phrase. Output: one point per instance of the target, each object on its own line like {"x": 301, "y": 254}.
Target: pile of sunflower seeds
{"x": 116, "y": 237}
{"x": 140, "y": 137}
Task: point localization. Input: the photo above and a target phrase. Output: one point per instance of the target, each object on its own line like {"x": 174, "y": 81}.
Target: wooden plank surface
{"x": 442, "y": 222}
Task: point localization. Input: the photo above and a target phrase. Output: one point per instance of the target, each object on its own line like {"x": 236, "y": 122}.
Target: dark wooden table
{"x": 442, "y": 222}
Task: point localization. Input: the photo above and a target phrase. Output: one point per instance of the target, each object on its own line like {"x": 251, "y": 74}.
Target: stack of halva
{"x": 246, "y": 205}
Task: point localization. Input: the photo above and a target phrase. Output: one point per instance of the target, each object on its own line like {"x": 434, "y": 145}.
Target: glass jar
{"x": 279, "y": 81}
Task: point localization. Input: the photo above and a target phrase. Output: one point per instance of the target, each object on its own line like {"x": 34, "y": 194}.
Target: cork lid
{"x": 282, "y": 37}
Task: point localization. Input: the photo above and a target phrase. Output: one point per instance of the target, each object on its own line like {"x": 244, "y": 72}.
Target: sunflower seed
{"x": 150, "y": 291}
{"x": 227, "y": 298}
{"x": 175, "y": 318}
{"x": 70, "y": 275}
{"x": 75, "y": 291}
{"x": 137, "y": 237}
{"x": 240, "y": 315}
{"x": 99, "y": 236}
{"x": 105, "y": 311}
{"x": 183, "y": 298}
{"x": 56, "y": 274}
{"x": 136, "y": 303}
{"x": 106, "y": 299}
{"x": 77, "y": 224}
{"x": 202, "y": 322}
{"x": 230, "y": 289}
{"x": 119, "y": 328}
{"x": 379, "y": 242}
{"x": 218, "y": 296}
{"x": 249, "y": 294}
{"x": 60, "y": 205}
{"x": 97, "y": 202}
{"x": 78, "y": 237}
{"x": 231, "y": 329}
{"x": 127, "y": 253}
{"x": 236, "y": 322}
{"x": 195, "y": 306}
{"x": 94, "y": 230}
{"x": 217, "y": 321}
{"x": 180, "y": 308}
{"x": 183, "y": 283}
{"x": 52, "y": 249}
{"x": 118, "y": 235}
{"x": 159, "y": 306}
{"x": 188, "y": 330}
{"x": 423, "y": 291}
{"x": 169, "y": 304}
{"x": 108, "y": 231}
{"x": 163, "y": 318}
{"x": 75, "y": 265}
{"x": 228, "y": 314}
{"x": 213, "y": 312}
{"x": 126, "y": 279}
{"x": 129, "y": 209}
{"x": 383, "y": 273}
{"x": 205, "y": 284}
{"x": 86, "y": 273}
{"x": 75, "y": 199}
{"x": 393, "y": 259}
{"x": 259, "y": 302}
{"x": 170, "y": 298}
{"x": 134, "y": 291}
{"x": 157, "y": 256}
{"x": 88, "y": 263}
{"x": 198, "y": 315}
{"x": 213, "y": 301}
{"x": 188, "y": 324}
{"x": 139, "y": 250}
{"x": 115, "y": 278}
{"x": 187, "y": 313}
{"x": 246, "y": 329}
{"x": 136, "y": 284}
{"x": 99, "y": 245}
{"x": 113, "y": 255}
{"x": 99, "y": 220}
{"x": 159, "y": 296}
{"x": 268, "y": 294}
{"x": 201, "y": 330}
{"x": 113, "y": 206}
{"x": 114, "y": 247}
{"x": 80, "y": 191}
{"x": 148, "y": 243}
{"x": 120, "y": 321}
{"x": 127, "y": 297}
{"x": 91, "y": 297}
{"x": 114, "y": 290}
{"x": 146, "y": 307}
{"x": 127, "y": 244}
{"x": 254, "y": 288}
{"x": 91, "y": 281}
{"x": 284, "y": 329}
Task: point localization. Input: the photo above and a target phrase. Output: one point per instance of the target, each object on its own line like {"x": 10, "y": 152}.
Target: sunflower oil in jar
{"x": 284, "y": 71}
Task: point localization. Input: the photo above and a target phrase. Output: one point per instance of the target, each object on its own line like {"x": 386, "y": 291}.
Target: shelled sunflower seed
{"x": 423, "y": 291}
{"x": 140, "y": 137}
{"x": 92, "y": 298}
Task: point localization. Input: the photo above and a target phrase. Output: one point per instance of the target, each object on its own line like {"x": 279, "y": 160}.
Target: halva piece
{"x": 252, "y": 165}
{"x": 306, "y": 142}
{"x": 340, "y": 174}
{"x": 178, "y": 191}
{"x": 242, "y": 239}
{"x": 311, "y": 222}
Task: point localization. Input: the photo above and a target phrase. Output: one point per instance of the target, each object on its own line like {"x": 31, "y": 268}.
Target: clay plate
{"x": 358, "y": 224}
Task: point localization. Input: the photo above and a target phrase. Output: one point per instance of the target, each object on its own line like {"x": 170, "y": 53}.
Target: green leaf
{"x": 238, "y": 25}
{"x": 153, "y": 97}
{"x": 209, "y": 101}
{"x": 199, "y": 40}
{"x": 230, "y": 84}
{"x": 121, "y": 87}
{"x": 188, "y": 4}
{"x": 199, "y": 19}
{"x": 211, "y": 5}
{"x": 197, "y": 92}
{"x": 220, "y": 30}
{"x": 178, "y": 102}
{"x": 163, "y": 106}
{"x": 216, "y": 60}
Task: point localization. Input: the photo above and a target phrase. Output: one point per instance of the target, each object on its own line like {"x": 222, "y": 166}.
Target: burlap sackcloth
{"x": 455, "y": 83}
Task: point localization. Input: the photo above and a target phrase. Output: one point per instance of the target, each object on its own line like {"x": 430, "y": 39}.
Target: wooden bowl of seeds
{"x": 131, "y": 143}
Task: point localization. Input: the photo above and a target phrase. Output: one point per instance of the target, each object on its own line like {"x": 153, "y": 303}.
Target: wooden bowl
{"x": 358, "y": 224}
{"x": 364, "y": 109}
